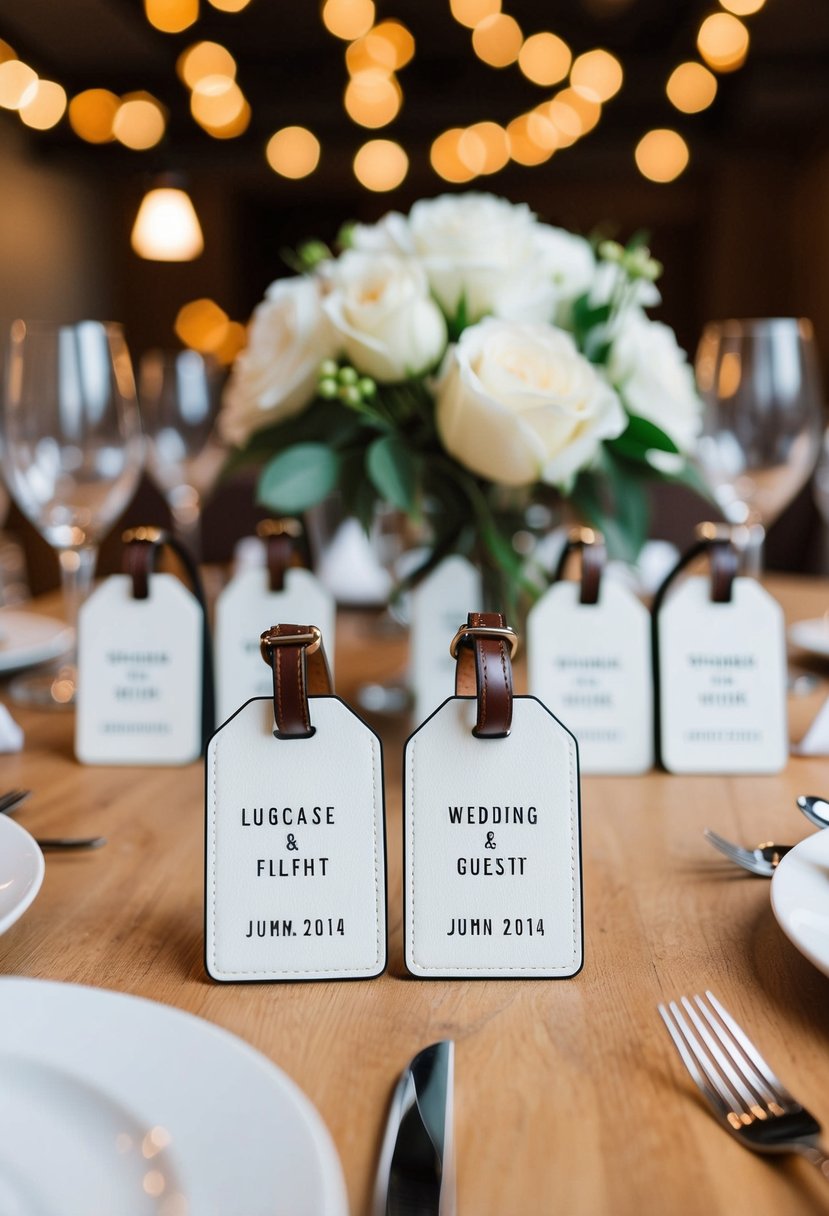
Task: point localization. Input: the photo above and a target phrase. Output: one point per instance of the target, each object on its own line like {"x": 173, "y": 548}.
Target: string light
{"x": 229, "y": 6}
{"x": 597, "y": 74}
{"x": 742, "y": 8}
{"x": 166, "y": 227}
{"x": 139, "y": 122}
{"x": 472, "y": 12}
{"x": 18, "y": 84}
{"x": 6, "y": 51}
{"x": 293, "y": 152}
{"x": 204, "y": 59}
{"x": 497, "y": 40}
{"x": 202, "y": 325}
{"x": 92, "y": 113}
{"x": 661, "y": 155}
{"x": 348, "y": 19}
{"x": 723, "y": 42}
{"x": 395, "y": 35}
{"x": 691, "y": 87}
{"x": 533, "y": 139}
{"x": 171, "y": 16}
{"x": 380, "y": 165}
{"x": 484, "y": 148}
{"x": 231, "y": 130}
{"x": 545, "y": 59}
{"x": 445, "y": 158}
{"x": 373, "y": 99}
{"x": 46, "y": 108}
{"x": 216, "y": 101}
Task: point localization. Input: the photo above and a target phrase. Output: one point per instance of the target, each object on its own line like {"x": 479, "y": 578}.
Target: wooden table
{"x": 569, "y": 1096}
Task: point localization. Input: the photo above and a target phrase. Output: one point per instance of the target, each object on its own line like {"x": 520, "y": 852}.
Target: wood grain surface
{"x": 569, "y": 1096}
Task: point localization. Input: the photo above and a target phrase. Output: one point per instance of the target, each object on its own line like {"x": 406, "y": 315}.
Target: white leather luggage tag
{"x": 722, "y": 672}
{"x": 252, "y": 599}
{"x": 589, "y": 660}
{"x": 492, "y": 827}
{"x": 437, "y": 604}
{"x": 296, "y": 869}
{"x": 144, "y": 695}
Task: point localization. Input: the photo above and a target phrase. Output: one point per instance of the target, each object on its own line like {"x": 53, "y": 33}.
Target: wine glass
{"x": 180, "y": 395}
{"x": 762, "y": 424}
{"x": 71, "y": 453}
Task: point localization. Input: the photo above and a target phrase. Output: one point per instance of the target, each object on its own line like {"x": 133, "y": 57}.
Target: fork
{"x": 12, "y": 800}
{"x": 737, "y": 1083}
{"x": 762, "y": 861}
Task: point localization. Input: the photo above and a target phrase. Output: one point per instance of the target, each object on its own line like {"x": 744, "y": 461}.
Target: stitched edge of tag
{"x": 442, "y": 971}
{"x": 332, "y": 972}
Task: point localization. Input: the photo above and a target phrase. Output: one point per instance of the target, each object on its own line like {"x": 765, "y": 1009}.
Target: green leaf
{"x": 392, "y": 467}
{"x": 457, "y": 324}
{"x": 298, "y": 478}
{"x": 614, "y": 499}
{"x": 640, "y": 437}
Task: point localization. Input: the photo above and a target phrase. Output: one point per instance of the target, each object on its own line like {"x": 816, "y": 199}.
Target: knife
{"x": 416, "y": 1174}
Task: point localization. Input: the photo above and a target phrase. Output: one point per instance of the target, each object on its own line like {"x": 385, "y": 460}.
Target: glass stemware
{"x": 760, "y": 383}
{"x": 180, "y": 394}
{"x": 71, "y": 453}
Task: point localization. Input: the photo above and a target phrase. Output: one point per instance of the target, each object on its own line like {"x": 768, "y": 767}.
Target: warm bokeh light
{"x": 46, "y": 108}
{"x": 532, "y": 139}
{"x": 202, "y": 325}
{"x": 171, "y": 16}
{"x": 139, "y": 122}
{"x": 484, "y": 147}
{"x": 92, "y": 113}
{"x": 348, "y": 19}
{"x": 597, "y": 74}
{"x": 216, "y": 101}
{"x": 234, "y": 341}
{"x": 661, "y": 155}
{"x": 368, "y": 54}
{"x": 18, "y": 84}
{"x": 372, "y": 98}
{"x": 691, "y": 87}
{"x": 742, "y": 8}
{"x": 167, "y": 228}
{"x": 293, "y": 152}
{"x": 545, "y": 58}
{"x": 229, "y": 6}
{"x": 723, "y": 42}
{"x": 6, "y": 51}
{"x": 234, "y": 128}
{"x": 445, "y": 158}
{"x": 472, "y": 12}
{"x": 380, "y": 165}
{"x": 205, "y": 59}
{"x": 586, "y": 109}
{"x": 395, "y": 35}
{"x": 497, "y": 40}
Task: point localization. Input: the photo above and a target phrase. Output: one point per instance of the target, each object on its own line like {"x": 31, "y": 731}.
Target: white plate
{"x": 27, "y": 638}
{"x": 811, "y": 635}
{"x": 21, "y": 873}
{"x": 112, "y": 1104}
{"x": 800, "y": 897}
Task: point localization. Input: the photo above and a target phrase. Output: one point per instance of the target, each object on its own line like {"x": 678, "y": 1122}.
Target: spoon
{"x": 815, "y": 809}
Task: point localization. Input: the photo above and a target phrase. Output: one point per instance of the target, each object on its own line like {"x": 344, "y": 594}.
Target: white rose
{"x": 275, "y": 376}
{"x": 609, "y": 278}
{"x": 653, "y": 377}
{"x": 470, "y": 246}
{"x": 386, "y": 321}
{"x": 517, "y": 403}
{"x": 389, "y": 235}
{"x": 562, "y": 267}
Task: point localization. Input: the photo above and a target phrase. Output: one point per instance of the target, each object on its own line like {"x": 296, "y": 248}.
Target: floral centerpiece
{"x": 464, "y": 364}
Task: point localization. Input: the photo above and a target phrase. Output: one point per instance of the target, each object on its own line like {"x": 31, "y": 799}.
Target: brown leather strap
{"x": 593, "y": 561}
{"x": 284, "y": 548}
{"x": 485, "y": 670}
{"x": 296, "y": 655}
{"x": 141, "y": 549}
{"x": 725, "y": 562}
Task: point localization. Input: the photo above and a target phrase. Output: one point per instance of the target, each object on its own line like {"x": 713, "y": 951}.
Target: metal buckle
{"x": 151, "y": 534}
{"x": 311, "y": 639}
{"x": 485, "y": 631}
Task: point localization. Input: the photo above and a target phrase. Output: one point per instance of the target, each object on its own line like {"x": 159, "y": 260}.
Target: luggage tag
{"x": 437, "y": 604}
{"x": 283, "y": 590}
{"x": 296, "y": 862}
{"x": 589, "y": 659}
{"x": 720, "y": 657}
{"x": 145, "y": 683}
{"x": 491, "y": 826}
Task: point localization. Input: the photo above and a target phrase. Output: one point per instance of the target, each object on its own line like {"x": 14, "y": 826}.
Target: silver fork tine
{"x": 773, "y": 1082}
{"x": 706, "y": 1076}
{"x": 690, "y": 1062}
{"x": 728, "y": 1062}
{"x": 722, "y": 1068}
{"x": 734, "y": 851}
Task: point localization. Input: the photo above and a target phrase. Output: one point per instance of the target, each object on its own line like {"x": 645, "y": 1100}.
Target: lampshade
{"x": 167, "y": 228}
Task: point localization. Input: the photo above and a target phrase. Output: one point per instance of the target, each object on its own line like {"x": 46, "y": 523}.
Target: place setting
{"x": 414, "y": 586}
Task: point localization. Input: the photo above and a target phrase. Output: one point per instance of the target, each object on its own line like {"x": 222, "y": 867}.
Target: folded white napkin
{"x": 11, "y": 735}
{"x": 816, "y": 740}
